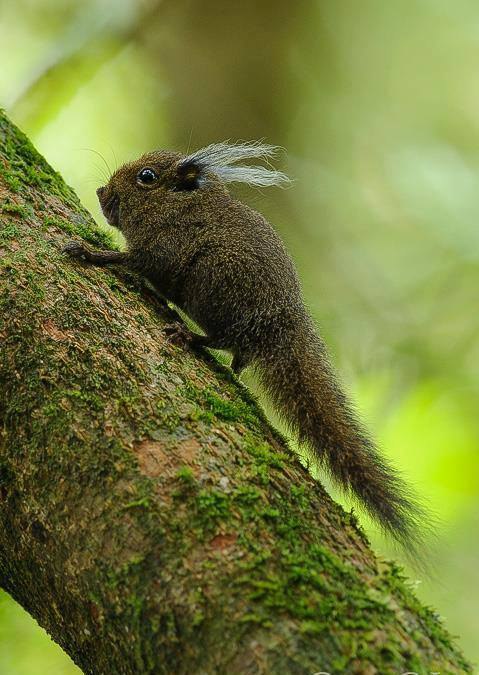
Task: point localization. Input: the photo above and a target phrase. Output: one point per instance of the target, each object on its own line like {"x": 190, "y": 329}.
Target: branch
{"x": 151, "y": 520}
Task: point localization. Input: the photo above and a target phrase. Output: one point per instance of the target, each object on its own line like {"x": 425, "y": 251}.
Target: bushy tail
{"x": 299, "y": 378}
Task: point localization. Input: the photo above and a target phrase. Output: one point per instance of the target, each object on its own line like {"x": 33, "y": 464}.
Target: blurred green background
{"x": 377, "y": 105}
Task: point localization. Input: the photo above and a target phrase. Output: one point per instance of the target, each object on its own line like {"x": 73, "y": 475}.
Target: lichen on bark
{"x": 152, "y": 521}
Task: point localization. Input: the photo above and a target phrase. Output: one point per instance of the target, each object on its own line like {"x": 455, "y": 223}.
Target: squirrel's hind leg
{"x": 181, "y": 334}
{"x": 240, "y": 361}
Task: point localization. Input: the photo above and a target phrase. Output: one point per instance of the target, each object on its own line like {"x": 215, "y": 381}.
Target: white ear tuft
{"x": 220, "y": 158}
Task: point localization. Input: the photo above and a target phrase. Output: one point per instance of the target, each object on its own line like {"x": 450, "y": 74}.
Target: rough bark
{"x": 151, "y": 519}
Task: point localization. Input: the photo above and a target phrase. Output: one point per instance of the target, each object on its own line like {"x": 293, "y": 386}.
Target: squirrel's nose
{"x": 101, "y": 191}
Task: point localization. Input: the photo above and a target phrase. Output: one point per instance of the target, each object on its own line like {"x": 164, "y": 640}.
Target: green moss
{"x": 212, "y": 406}
{"x": 212, "y": 504}
{"x": 84, "y": 229}
{"x": 142, "y": 502}
{"x": 11, "y": 263}
{"x": 23, "y": 168}
{"x": 9, "y": 230}
{"x": 247, "y": 494}
{"x": 186, "y": 475}
{"x": 37, "y": 177}
{"x": 311, "y": 627}
{"x": 14, "y": 209}
{"x": 298, "y": 496}
{"x": 250, "y": 617}
{"x": 89, "y": 399}
{"x": 263, "y": 454}
{"x": 198, "y": 618}
{"x": 27, "y": 168}
{"x": 228, "y": 411}
{"x": 270, "y": 512}
{"x": 207, "y": 509}
{"x": 11, "y": 180}
{"x": 116, "y": 577}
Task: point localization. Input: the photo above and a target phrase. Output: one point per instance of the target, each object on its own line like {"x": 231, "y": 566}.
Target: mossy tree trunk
{"x": 151, "y": 520}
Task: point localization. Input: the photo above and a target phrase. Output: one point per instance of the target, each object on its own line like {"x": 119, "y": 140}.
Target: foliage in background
{"x": 378, "y": 108}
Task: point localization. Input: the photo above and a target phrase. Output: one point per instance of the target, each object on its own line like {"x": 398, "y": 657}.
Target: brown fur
{"x": 225, "y": 266}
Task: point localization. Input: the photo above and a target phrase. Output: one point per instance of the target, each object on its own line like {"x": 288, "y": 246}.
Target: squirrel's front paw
{"x": 75, "y": 249}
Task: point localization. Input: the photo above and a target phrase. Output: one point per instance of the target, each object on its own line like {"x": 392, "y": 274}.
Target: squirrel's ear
{"x": 188, "y": 176}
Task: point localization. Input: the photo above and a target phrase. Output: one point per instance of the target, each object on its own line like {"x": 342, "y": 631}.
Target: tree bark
{"x": 151, "y": 520}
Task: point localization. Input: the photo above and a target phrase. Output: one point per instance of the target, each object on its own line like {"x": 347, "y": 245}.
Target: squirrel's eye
{"x": 146, "y": 176}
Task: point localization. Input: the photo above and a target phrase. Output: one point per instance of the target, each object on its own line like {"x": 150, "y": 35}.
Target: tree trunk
{"x": 151, "y": 519}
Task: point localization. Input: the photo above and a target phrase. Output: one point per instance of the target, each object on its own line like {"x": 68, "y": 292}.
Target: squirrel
{"x": 226, "y": 267}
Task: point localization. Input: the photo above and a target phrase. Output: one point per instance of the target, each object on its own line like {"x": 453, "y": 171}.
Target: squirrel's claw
{"x": 178, "y": 334}
{"x": 75, "y": 249}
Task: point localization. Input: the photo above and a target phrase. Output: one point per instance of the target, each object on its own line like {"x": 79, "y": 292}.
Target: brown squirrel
{"x": 226, "y": 267}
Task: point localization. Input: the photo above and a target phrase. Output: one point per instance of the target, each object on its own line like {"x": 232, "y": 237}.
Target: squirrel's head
{"x": 161, "y": 187}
